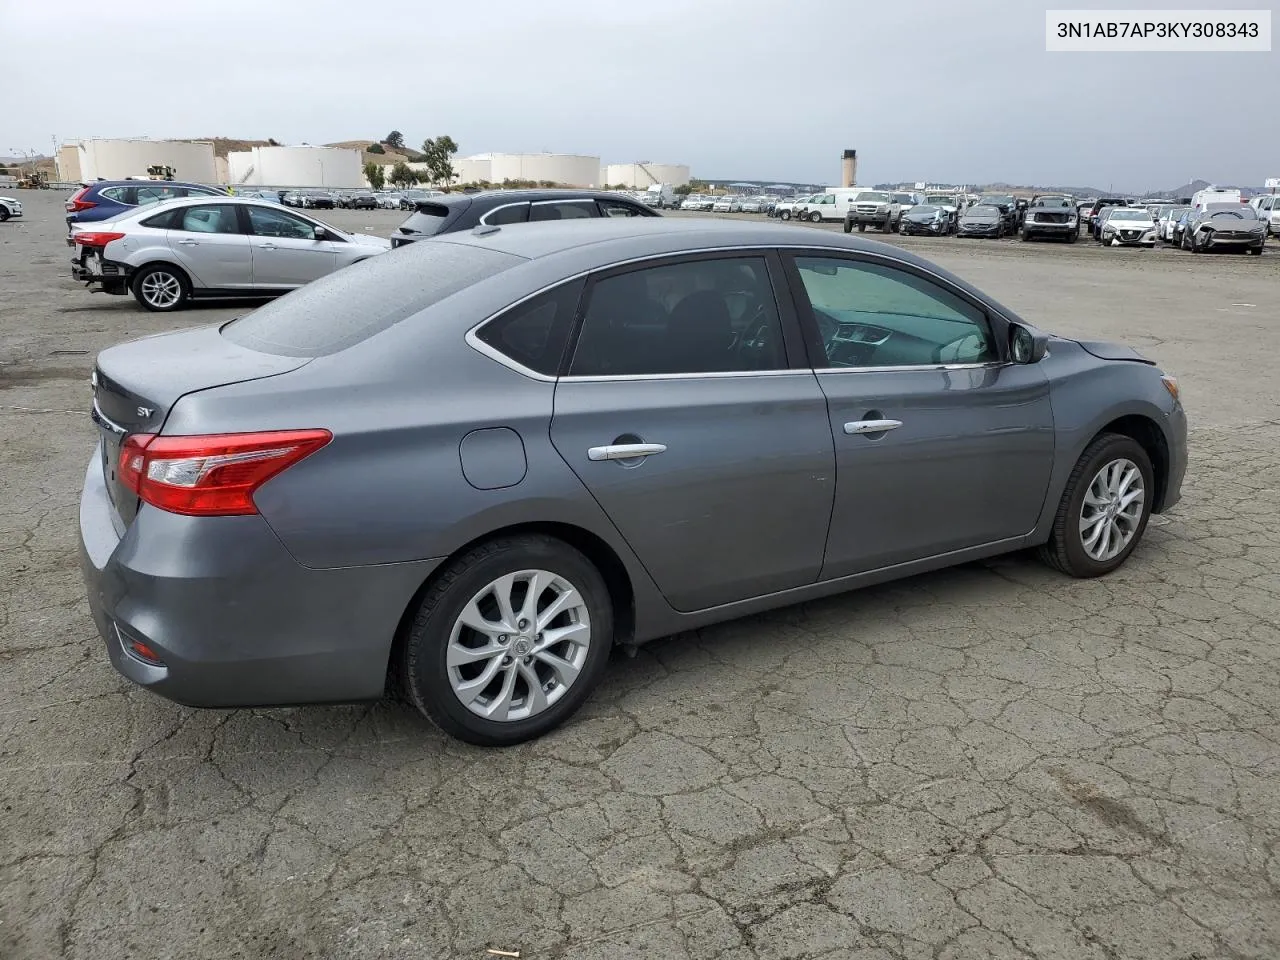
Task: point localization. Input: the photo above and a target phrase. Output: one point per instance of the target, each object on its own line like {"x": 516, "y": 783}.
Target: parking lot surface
{"x": 988, "y": 762}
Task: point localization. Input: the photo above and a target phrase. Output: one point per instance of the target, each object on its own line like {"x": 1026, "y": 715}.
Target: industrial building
{"x": 79, "y": 161}
{"x": 570, "y": 170}
{"x": 641, "y": 174}
{"x": 302, "y": 166}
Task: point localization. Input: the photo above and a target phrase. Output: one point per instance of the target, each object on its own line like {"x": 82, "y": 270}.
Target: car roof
{"x": 600, "y": 241}
{"x": 136, "y": 183}
{"x": 500, "y": 196}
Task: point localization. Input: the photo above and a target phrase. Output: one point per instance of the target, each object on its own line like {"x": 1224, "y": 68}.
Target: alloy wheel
{"x": 518, "y": 645}
{"x": 1112, "y": 509}
{"x": 161, "y": 289}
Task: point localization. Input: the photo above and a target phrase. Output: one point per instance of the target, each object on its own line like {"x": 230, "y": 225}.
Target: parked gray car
{"x": 168, "y": 253}
{"x": 468, "y": 468}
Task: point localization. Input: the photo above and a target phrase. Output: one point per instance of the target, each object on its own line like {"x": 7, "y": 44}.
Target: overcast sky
{"x": 947, "y": 90}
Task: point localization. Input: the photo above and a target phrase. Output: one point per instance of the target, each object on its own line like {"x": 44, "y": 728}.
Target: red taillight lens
{"x": 211, "y": 476}
{"x": 75, "y": 204}
{"x": 95, "y": 238}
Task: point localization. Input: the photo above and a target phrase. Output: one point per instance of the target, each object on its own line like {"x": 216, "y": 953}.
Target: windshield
{"x": 940, "y": 200}
{"x": 1239, "y": 211}
{"x": 983, "y": 213}
{"x": 997, "y": 200}
{"x": 904, "y": 198}
{"x": 1131, "y": 215}
{"x": 872, "y": 195}
{"x": 1055, "y": 202}
{"x": 925, "y": 210}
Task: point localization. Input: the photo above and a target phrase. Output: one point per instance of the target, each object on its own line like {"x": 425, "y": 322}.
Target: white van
{"x": 830, "y": 205}
{"x": 1210, "y": 195}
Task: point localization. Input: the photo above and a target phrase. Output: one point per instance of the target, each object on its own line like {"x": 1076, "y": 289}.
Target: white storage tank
{"x": 641, "y": 174}
{"x": 301, "y": 166}
{"x": 117, "y": 159}
{"x": 562, "y": 169}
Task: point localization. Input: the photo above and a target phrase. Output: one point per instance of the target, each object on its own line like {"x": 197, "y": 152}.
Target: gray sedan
{"x": 467, "y": 469}
{"x": 169, "y": 253}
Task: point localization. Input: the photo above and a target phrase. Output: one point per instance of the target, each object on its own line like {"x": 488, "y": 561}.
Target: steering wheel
{"x": 974, "y": 341}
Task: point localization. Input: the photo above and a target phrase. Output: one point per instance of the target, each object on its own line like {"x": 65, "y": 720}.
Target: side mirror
{"x": 320, "y": 233}
{"x": 1027, "y": 345}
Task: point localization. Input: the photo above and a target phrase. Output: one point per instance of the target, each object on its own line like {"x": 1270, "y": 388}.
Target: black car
{"x": 453, "y": 212}
{"x": 362, "y": 201}
{"x": 1007, "y": 206}
{"x": 982, "y": 220}
{"x": 317, "y": 200}
{"x": 1092, "y": 218}
{"x": 927, "y": 220}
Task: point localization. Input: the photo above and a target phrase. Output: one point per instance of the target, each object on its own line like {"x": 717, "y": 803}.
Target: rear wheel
{"x": 1104, "y": 509}
{"x": 509, "y": 640}
{"x": 784, "y": 215}
{"x": 161, "y": 288}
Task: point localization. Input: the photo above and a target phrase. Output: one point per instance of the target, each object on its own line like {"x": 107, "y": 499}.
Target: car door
{"x": 681, "y": 415}
{"x": 207, "y": 241}
{"x": 940, "y": 444}
{"x": 285, "y": 250}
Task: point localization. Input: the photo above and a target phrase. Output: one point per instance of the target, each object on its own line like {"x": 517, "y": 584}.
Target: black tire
{"x": 848, "y": 227}
{"x": 1195, "y": 246}
{"x": 784, "y": 215}
{"x": 862, "y": 228}
{"x": 815, "y": 217}
{"x": 1025, "y": 236}
{"x": 4, "y": 214}
{"x": 887, "y": 226}
{"x": 1064, "y": 550}
{"x": 423, "y": 669}
{"x": 1186, "y": 241}
{"x": 1071, "y": 237}
{"x": 140, "y": 286}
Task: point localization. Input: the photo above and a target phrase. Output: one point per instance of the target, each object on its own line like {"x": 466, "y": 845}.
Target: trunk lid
{"x": 136, "y": 384}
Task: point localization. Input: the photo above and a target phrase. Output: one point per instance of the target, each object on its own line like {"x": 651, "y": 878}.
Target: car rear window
{"x": 426, "y": 220}
{"x": 344, "y": 308}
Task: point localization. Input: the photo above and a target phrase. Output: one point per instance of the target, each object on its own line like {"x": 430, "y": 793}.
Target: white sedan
{"x": 215, "y": 247}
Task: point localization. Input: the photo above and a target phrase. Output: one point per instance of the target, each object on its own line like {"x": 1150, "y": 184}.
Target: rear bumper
{"x": 235, "y": 620}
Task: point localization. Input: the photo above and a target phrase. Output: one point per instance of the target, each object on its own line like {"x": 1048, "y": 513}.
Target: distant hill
{"x": 389, "y": 154}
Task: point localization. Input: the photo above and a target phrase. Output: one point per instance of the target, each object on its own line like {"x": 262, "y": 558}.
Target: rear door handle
{"x": 871, "y": 426}
{"x": 266, "y": 246}
{"x": 625, "y": 451}
{"x": 189, "y": 243}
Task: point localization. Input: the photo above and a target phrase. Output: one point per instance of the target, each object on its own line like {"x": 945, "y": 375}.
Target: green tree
{"x": 376, "y": 148}
{"x": 402, "y": 175}
{"x": 437, "y": 154}
{"x": 376, "y": 176}
{"x": 394, "y": 139}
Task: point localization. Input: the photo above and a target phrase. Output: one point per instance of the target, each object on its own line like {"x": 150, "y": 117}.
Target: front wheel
{"x": 509, "y": 640}
{"x": 1071, "y": 237}
{"x": 1104, "y": 509}
{"x": 4, "y": 214}
{"x": 1025, "y": 236}
{"x": 815, "y": 217}
{"x": 161, "y": 288}
{"x": 785, "y": 215}
{"x": 848, "y": 227}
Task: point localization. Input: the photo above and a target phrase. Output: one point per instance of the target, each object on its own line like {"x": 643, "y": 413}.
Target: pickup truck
{"x": 873, "y": 208}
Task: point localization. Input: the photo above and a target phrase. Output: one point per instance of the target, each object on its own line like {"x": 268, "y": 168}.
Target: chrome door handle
{"x": 625, "y": 451}
{"x": 266, "y": 246}
{"x": 189, "y": 243}
{"x": 871, "y": 426}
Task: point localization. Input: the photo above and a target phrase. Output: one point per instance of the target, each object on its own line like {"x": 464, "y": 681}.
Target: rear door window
{"x": 208, "y": 218}
{"x": 509, "y": 213}
{"x": 158, "y": 193}
{"x": 563, "y": 210}
{"x": 351, "y": 305}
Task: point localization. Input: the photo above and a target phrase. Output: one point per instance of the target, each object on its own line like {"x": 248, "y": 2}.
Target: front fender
{"x": 1087, "y": 394}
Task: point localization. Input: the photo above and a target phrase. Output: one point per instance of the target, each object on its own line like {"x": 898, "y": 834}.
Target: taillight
{"x": 90, "y": 238}
{"x": 214, "y": 475}
{"x": 75, "y": 204}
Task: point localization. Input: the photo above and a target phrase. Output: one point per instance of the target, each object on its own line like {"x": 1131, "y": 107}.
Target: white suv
{"x": 1268, "y": 208}
{"x": 9, "y": 207}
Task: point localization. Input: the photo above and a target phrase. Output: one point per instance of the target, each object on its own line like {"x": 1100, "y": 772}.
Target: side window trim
{"x": 793, "y": 362}
{"x": 586, "y": 202}
{"x": 506, "y": 206}
{"x": 996, "y": 324}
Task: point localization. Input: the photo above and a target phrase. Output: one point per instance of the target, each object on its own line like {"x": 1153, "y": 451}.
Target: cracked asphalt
{"x": 984, "y": 763}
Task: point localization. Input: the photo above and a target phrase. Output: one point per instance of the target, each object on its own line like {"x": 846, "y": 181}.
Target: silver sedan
{"x": 467, "y": 469}
{"x": 167, "y": 254}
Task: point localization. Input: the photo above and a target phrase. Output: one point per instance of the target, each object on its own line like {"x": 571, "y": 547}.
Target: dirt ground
{"x": 988, "y": 762}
